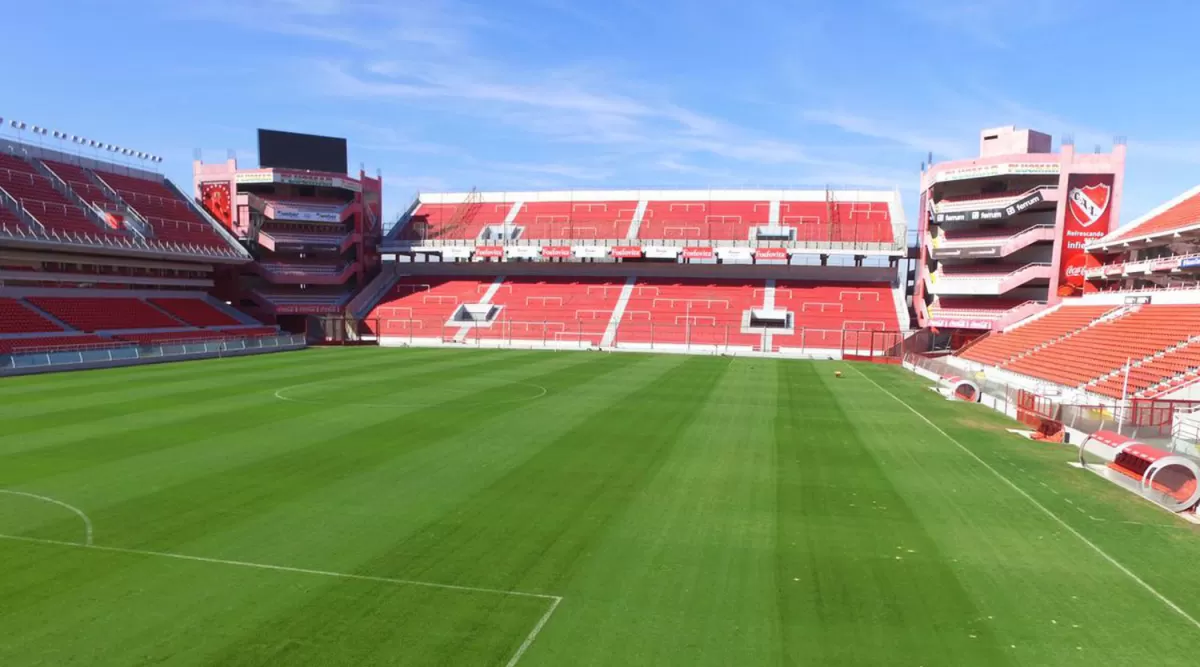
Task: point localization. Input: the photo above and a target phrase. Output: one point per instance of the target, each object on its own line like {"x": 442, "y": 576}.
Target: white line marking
{"x": 280, "y": 568}
{"x": 1115, "y": 563}
{"x": 87, "y": 523}
{"x": 554, "y": 599}
{"x": 533, "y": 635}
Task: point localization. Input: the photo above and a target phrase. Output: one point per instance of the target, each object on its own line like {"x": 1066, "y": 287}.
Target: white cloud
{"x": 918, "y": 141}
{"x": 987, "y": 21}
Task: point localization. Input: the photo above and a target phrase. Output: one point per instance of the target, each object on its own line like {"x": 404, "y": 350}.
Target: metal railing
{"x": 895, "y": 245}
{"x": 1148, "y": 420}
{"x": 102, "y": 354}
{"x": 694, "y": 334}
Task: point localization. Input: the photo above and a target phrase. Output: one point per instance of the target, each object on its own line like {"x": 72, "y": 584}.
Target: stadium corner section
{"x": 798, "y": 273}
{"x": 1137, "y": 446}
{"x": 105, "y": 264}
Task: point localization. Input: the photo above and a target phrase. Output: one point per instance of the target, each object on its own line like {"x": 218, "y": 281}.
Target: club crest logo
{"x": 1089, "y": 203}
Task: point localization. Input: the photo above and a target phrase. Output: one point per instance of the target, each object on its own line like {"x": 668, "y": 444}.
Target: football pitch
{"x": 466, "y": 507}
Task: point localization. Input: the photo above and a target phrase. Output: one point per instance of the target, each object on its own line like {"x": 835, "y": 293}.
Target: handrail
{"x": 21, "y": 212}
{"x": 69, "y": 193}
{"x": 936, "y": 308}
{"x": 896, "y": 245}
{"x": 1012, "y": 197}
{"x": 1125, "y": 265}
{"x": 991, "y": 239}
{"x": 994, "y": 276}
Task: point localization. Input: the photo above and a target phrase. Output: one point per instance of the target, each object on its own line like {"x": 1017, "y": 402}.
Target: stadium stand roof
{"x": 1181, "y": 214}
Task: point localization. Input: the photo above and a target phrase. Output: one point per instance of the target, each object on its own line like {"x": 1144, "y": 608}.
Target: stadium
{"x": 250, "y": 420}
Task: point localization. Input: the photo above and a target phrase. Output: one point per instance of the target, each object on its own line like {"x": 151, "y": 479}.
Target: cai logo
{"x": 1089, "y": 203}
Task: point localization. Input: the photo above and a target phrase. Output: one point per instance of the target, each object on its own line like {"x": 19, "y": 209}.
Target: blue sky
{"x": 539, "y": 94}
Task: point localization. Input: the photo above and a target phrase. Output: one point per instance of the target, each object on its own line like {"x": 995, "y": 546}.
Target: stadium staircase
{"x": 92, "y": 194}
{"x": 54, "y": 212}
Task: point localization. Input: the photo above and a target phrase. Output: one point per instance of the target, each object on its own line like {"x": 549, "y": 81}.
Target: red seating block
{"x": 195, "y": 312}
{"x": 34, "y": 191}
{"x": 101, "y": 313}
{"x": 172, "y": 218}
{"x": 15, "y": 318}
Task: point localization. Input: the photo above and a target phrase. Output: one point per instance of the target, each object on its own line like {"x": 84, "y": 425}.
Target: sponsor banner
{"x": 704, "y": 252}
{"x": 489, "y": 251}
{"x": 961, "y": 324}
{"x": 297, "y": 178}
{"x": 1024, "y": 204}
{"x": 1164, "y": 264}
{"x": 453, "y": 252}
{"x": 779, "y": 254}
{"x": 734, "y": 254}
{"x": 661, "y": 252}
{"x": 993, "y": 214}
{"x": 1087, "y": 218}
{"x": 260, "y": 176}
{"x": 1189, "y": 263}
{"x": 556, "y": 251}
{"x": 993, "y": 251}
{"x": 1003, "y": 169}
{"x": 522, "y": 252}
{"x": 627, "y": 251}
{"x": 589, "y": 251}
{"x": 1094, "y": 272}
{"x": 293, "y": 213}
{"x": 1114, "y": 269}
{"x": 306, "y": 309}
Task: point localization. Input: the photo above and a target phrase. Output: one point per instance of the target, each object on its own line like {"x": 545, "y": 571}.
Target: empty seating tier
{"x": 694, "y": 312}
{"x": 999, "y": 348}
{"x": 822, "y": 313}
{"x": 35, "y": 193}
{"x": 703, "y": 220}
{"x": 1106, "y": 346}
{"x": 99, "y": 313}
{"x": 657, "y": 313}
{"x": 575, "y": 220}
{"x": 172, "y": 218}
{"x": 838, "y": 222}
{"x": 47, "y": 343}
{"x": 196, "y": 312}
{"x": 454, "y": 221}
{"x": 78, "y": 180}
{"x": 697, "y": 220}
{"x": 421, "y": 307}
{"x": 552, "y": 310}
{"x": 16, "y": 318}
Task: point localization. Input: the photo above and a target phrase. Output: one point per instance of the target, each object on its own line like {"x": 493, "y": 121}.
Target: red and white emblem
{"x": 1089, "y": 203}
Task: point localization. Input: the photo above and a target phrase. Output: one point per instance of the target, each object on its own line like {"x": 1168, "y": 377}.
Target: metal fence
{"x": 696, "y": 334}
{"x": 99, "y": 355}
{"x": 1148, "y": 420}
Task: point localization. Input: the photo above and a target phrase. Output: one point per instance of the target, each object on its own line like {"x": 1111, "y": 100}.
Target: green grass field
{"x": 450, "y": 507}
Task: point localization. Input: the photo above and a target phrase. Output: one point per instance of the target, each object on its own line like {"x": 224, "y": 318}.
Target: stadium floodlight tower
{"x": 1002, "y": 236}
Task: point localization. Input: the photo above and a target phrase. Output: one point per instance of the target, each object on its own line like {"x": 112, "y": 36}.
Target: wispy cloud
{"x": 988, "y": 22}
{"x": 890, "y": 132}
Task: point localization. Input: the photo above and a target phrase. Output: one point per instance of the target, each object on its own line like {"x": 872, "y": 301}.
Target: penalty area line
{"x": 529, "y": 639}
{"x": 1033, "y": 501}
